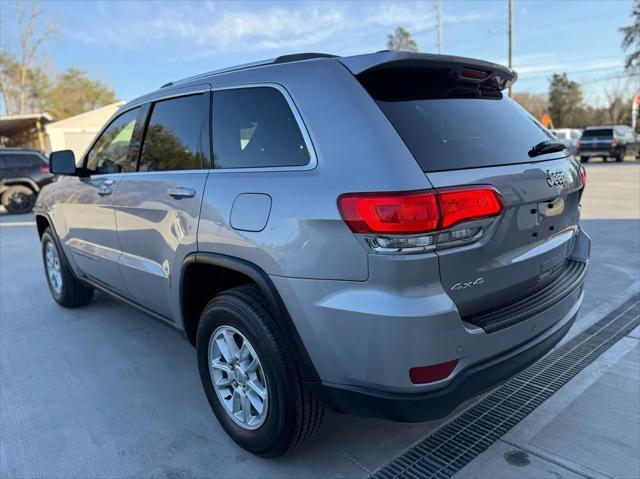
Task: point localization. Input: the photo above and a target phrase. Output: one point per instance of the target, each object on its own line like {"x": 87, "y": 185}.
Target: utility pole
{"x": 510, "y": 37}
{"x": 439, "y": 26}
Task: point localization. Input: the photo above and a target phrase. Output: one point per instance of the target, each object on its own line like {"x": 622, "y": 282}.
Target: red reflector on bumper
{"x": 435, "y": 372}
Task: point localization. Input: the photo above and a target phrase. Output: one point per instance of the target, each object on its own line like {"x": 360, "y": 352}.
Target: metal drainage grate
{"x": 451, "y": 447}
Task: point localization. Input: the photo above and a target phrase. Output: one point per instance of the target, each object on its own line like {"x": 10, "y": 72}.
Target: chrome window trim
{"x": 185, "y": 91}
{"x": 313, "y": 158}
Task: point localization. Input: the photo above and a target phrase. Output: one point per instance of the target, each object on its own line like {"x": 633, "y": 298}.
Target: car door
{"x": 90, "y": 221}
{"x": 157, "y": 208}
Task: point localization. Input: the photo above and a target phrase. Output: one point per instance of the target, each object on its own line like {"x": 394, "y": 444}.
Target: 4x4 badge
{"x": 467, "y": 284}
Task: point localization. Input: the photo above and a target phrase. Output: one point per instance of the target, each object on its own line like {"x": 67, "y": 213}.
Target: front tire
{"x": 65, "y": 288}
{"x": 18, "y": 199}
{"x": 249, "y": 376}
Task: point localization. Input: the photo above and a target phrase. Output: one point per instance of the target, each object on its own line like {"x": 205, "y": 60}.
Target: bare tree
{"x": 18, "y": 72}
{"x": 631, "y": 39}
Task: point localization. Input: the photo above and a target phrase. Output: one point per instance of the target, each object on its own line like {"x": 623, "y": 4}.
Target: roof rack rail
{"x": 281, "y": 59}
{"x": 295, "y": 57}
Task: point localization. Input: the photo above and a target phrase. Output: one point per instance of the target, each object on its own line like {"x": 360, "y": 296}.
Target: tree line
{"x": 26, "y": 87}
{"x": 566, "y": 106}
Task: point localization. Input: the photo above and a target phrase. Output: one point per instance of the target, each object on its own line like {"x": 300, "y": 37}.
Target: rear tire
{"x": 291, "y": 414}
{"x": 65, "y": 288}
{"x": 18, "y": 199}
{"x": 620, "y": 156}
{"x": 584, "y": 159}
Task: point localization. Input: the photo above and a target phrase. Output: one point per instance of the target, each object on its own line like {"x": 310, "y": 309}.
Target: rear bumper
{"x": 416, "y": 407}
{"x": 599, "y": 152}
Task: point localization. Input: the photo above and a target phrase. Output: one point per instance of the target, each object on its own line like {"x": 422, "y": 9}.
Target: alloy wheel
{"x": 52, "y": 264}
{"x": 238, "y": 377}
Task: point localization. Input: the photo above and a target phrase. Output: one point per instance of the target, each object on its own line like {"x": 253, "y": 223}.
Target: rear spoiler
{"x": 468, "y": 69}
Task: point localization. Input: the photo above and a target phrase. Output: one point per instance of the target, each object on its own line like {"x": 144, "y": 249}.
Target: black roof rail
{"x": 281, "y": 59}
{"x": 295, "y": 57}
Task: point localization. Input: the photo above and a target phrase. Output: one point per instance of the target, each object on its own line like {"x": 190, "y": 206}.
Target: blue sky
{"x": 136, "y": 46}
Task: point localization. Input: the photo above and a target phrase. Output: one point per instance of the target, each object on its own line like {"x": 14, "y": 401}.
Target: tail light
{"x": 583, "y": 176}
{"x": 614, "y": 142}
{"x": 578, "y": 144}
{"x": 44, "y": 169}
{"x": 417, "y": 212}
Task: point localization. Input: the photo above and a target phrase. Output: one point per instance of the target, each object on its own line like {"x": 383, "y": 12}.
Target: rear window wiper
{"x": 547, "y": 146}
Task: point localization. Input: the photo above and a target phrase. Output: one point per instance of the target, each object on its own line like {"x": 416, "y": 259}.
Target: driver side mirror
{"x": 63, "y": 162}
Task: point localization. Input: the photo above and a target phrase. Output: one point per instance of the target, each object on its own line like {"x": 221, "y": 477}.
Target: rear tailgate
{"x": 462, "y": 130}
{"x": 529, "y": 241}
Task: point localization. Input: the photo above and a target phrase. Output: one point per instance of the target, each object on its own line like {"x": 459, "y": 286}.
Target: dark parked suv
{"x": 615, "y": 142}
{"x": 23, "y": 172}
{"x": 387, "y": 234}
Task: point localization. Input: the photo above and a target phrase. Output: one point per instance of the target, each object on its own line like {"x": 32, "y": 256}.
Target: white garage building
{"x": 77, "y": 132}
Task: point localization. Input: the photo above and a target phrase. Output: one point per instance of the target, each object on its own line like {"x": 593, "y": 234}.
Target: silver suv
{"x": 384, "y": 234}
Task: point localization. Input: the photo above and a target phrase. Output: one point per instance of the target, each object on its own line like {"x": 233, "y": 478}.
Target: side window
{"x": 175, "y": 135}
{"x": 111, "y": 153}
{"x": 253, "y": 128}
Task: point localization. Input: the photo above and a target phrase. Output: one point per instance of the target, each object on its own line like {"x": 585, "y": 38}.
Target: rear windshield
{"x": 600, "y": 132}
{"x": 447, "y": 126}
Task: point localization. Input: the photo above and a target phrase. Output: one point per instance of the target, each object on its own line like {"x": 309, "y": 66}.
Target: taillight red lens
{"x": 417, "y": 212}
{"x": 474, "y": 74}
{"x": 468, "y": 204}
{"x": 583, "y": 176}
{"x": 435, "y": 372}
{"x": 44, "y": 169}
{"x": 394, "y": 213}
{"x": 614, "y": 142}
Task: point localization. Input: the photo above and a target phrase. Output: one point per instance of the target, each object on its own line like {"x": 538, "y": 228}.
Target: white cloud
{"x": 214, "y": 27}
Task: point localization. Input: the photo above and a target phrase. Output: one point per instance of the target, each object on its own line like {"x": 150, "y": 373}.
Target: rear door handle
{"x": 181, "y": 192}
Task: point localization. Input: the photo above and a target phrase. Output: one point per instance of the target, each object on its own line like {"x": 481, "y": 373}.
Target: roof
{"x": 358, "y": 64}
{"x": 604, "y": 126}
{"x": 12, "y": 124}
{"x": 90, "y": 119}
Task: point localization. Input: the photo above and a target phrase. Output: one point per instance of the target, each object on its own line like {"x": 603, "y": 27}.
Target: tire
{"x": 18, "y": 199}
{"x": 290, "y": 414}
{"x": 620, "y": 156}
{"x": 65, "y": 288}
{"x": 584, "y": 159}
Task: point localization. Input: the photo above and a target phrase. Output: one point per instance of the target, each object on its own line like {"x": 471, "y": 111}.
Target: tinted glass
{"x": 457, "y": 133}
{"x": 174, "y": 136}
{"x": 600, "y": 132}
{"x": 20, "y": 161}
{"x": 254, "y": 128}
{"x": 111, "y": 153}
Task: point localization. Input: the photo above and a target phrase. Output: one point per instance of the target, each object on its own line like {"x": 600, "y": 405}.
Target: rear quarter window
{"x": 255, "y": 128}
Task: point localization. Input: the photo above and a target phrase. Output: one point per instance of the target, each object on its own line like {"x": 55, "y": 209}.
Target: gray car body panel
{"x": 363, "y": 318}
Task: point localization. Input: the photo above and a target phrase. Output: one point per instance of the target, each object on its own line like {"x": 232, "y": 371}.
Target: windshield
{"x": 456, "y": 133}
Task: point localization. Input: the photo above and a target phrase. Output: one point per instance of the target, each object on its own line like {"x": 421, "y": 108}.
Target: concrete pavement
{"x": 105, "y": 391}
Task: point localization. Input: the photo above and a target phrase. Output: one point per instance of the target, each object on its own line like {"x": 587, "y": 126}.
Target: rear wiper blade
{"x": 547, "y": 146}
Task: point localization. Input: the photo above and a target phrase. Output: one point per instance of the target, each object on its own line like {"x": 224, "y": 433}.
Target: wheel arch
{"x": 235, "y": 272}
{"x": 28, "y": 182}
{"x": 42, "y": 222}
